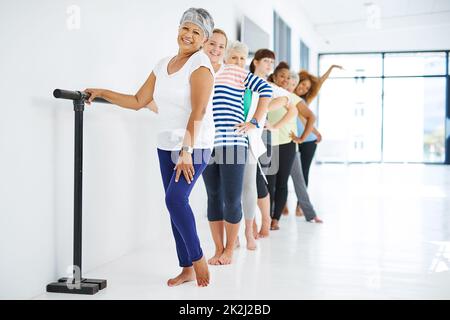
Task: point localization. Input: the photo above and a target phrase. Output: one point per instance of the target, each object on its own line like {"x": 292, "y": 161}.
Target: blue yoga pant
{"x": 177, "y": 202}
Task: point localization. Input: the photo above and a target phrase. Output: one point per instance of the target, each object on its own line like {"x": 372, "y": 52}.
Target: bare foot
{"x": 285, "y": 211}
{"x": 299, "y": 211}
{"x": 251, "y": 243}
{"x": 274, "y": 225}
{"x": 255, "y": 230}
{"x": 201, "y": 272}
{"x": 186, "y": 275}
{"x": 215, "y": 260}
{"x": 317, "y": 220}
{"x": 264, "y": 232}
{"x": 237, "y": 244}
{"x": 265, "y": 227}
{"x": 226, "y": 257}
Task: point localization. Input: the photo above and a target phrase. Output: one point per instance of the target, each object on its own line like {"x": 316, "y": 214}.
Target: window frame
{"x": 383, "y": 77}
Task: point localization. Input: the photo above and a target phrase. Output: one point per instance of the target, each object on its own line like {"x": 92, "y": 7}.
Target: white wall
{"x": 116, "y": 47}
{"x": 302, "y": 28}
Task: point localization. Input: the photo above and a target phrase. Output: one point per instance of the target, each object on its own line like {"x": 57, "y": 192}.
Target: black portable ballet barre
{"x": 77, "y": 284}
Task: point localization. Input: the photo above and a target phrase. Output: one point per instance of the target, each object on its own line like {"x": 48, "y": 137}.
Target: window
{"x": 384, "y": 107}
{"x": 414, "y": 119}
{"x": 355, "y": 65}
{"x": 253, "y": 36}
{"x": 350, "y": 120}
{"x": 282, "y": 39}
{"x": 414, "y": 64}
{"x": 304, "y": 56}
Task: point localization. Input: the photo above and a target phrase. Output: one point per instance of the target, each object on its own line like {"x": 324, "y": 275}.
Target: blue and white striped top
{"x": 228, "y": 102}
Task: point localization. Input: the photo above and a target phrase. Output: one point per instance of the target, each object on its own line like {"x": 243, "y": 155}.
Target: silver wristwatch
{"x": 187, "y": 149}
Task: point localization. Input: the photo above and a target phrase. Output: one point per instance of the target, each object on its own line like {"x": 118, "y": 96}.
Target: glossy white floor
{"x": 386, "y": 236}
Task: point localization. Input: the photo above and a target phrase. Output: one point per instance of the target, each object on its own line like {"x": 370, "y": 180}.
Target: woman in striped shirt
{"x": 224, "y": 176}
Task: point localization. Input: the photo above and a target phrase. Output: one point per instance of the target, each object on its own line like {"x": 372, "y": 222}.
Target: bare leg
{"x": 186, "y": 275}
{"x": 251, "y": 243}
{"x": 231, "y": 231}
{"x": 217, "y": 233}
{"x": 299, "y": 211}
{"x": 255, "y": 229}
{"x": 264, "y": 207}
{"x": 201, "y": 272}
{"x": 285, "y": 210}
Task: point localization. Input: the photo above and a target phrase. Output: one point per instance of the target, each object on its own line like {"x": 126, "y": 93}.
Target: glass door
{"x": 349, "y": 116}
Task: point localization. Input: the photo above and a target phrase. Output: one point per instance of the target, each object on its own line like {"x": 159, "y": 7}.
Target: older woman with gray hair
{"x": 181, "y": 86}
{"x": 224, "y": 175}
{"x": 237, "y": 54}
{"x": 304, "y": 205}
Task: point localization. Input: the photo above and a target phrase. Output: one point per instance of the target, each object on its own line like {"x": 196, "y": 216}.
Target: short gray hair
{"x": 236, "y": 46}
{"x": 294, "y": 76}
{"x": 201, "y": 18}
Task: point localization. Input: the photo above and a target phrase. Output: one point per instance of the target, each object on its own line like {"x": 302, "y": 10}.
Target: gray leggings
{"x": 300, "y": 189}
{"x": 249, "y": 193}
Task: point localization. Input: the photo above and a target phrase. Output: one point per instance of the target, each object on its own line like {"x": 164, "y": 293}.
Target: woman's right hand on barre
{"x": 94, "y": 93}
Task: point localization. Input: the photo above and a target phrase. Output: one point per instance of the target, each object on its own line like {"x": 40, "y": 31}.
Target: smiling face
{"x": 236, "y": 57}
{"x": 282, "y": 78}
{"x": 215, "y": 48}
{"x": 303, "y": 87}
{"x": 190, "y": 37}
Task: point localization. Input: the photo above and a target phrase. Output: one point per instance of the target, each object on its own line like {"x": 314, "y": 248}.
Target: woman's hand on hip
{"x": 319, "y": 138}
{"x": 185, "y": 166}
{"x": 244, "y": 127}
{"x": 296, "y": 139}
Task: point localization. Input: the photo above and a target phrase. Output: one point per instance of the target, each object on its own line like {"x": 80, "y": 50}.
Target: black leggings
{"x": 282, "y": 159}
{"x": 307, "y": 151}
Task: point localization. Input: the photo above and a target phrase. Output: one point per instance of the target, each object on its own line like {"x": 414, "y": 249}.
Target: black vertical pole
{"x": 77, "y": 284}
{"x": 447, "y": 111}
{"x": 78, "y": 189}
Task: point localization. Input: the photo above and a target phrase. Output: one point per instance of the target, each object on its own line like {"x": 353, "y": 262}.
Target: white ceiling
{"x": 329, "y": 12}
{"x": 350, "y": 25}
